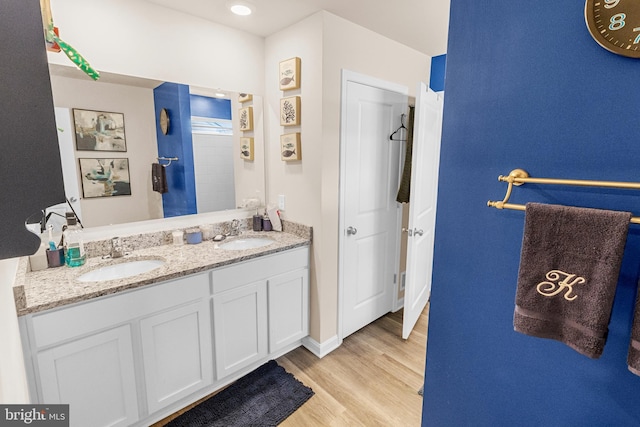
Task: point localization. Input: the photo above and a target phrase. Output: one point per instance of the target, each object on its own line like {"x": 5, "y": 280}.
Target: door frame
{"x": 352, "y": 76}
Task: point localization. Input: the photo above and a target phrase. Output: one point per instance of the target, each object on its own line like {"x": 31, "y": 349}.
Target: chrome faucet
{"x": 116, "y": 248}
{"x": 235, "y": 228}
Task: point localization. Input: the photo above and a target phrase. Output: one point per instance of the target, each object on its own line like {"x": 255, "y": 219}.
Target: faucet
{"x": 235, "y": 228}
{"x": 116, "y": 248}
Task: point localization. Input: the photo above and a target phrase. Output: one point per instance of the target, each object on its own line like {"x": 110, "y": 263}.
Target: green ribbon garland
{"x": 74, "y": 56}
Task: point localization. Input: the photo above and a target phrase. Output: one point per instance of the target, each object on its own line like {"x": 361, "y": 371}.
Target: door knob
{"x": 351, "y": 230}
{"x": 418, "y": 232}
{"x": 73, "y": 199}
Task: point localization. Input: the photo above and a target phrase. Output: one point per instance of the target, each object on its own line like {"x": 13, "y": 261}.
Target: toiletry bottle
{"x": 38, "y": 261}
{"x": 74, "y": 255}
{"x": 266, "y": 223}
{"x": 257, "y": 222}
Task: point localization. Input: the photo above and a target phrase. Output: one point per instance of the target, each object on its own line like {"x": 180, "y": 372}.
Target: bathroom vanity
{"x": 131, "y": 351}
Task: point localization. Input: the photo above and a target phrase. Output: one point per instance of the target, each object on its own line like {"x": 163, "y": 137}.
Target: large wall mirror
{"x": 225, "y": 176}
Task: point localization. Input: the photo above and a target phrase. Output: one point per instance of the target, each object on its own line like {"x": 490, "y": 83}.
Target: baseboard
{"x": 399, "y": 304}
{"x": 321, "y": 349}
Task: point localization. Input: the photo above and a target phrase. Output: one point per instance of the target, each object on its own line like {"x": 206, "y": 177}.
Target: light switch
{"x": 281, "y": 200}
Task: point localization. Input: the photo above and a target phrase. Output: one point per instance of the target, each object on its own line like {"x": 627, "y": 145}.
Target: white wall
{"x": 250, "y": 174}
{"x": 213, "y": 166}
{"x": 139, "y": 123}
{"x": 326, "y": 44}
{"x": 13, "y": 381}
{"x": 141, "y": 39}
{"x": 301, "y": 181}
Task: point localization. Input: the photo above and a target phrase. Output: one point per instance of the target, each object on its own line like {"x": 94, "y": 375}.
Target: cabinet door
{"x": 240, "y": 327}
{"x": 176, "y": 351}
{"x": 95, "y": 376}
{"x": 288, "y": 308}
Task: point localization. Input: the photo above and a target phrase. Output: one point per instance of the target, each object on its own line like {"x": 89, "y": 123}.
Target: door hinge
{"x": 395, "y": 278}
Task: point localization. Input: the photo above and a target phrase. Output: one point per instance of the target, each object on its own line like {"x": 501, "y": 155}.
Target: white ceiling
{"x": 420, "y": 24}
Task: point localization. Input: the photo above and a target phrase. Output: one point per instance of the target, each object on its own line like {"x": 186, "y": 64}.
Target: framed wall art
{"x": 99, "y": 130}
{"x": 105, "y": 177}
{"x": 246, "y": 148}
{"x": 245, "y": 97}
{"x": 290, "y": 147}
{"x": 289, "y": 75}
{"x": 246, "y": 118}
{"x": 290, "y": 111}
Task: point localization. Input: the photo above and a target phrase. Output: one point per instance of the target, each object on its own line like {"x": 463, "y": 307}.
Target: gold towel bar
{"x": 518, "y": 177}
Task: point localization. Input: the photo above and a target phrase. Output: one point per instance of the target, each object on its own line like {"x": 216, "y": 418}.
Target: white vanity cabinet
{"x": 260, "y": 308}
{"x": 118, "y": 358}
{"x": 134, "y": 357}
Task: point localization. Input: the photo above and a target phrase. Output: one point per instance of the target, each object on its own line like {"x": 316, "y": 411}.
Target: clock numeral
{"x": 611, "y": 3}
{"x": 637, "y": 40}
{"x": 617, "y": 21}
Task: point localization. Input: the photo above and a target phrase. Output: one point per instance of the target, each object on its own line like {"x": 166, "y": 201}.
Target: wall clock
{"x": 164, "y": 121}
{"x": 615, "y": 25}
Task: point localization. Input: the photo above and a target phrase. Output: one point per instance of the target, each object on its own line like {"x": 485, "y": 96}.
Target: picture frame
{"x": 290, "y": 111}
{"x": 245, "y": 97}
{"x": 105, "y": 177}
{"x": 289, "y": 74}
{"x": 99, "y": 130}
{"x": 246, "y": 148}
{"x": 245, "y": 117}
{"x": 290, "y": 147}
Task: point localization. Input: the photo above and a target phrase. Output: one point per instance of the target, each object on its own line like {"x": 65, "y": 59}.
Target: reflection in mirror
{"x": 208, "y": 175}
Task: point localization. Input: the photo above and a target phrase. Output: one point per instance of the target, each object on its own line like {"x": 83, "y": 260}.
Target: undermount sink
{"x": 242, "y": 244}
{"x": 121, "y": 270}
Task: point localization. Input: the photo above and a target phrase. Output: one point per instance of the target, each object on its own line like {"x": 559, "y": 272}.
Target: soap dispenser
{"x": 74, "y": 255}
{"x": 266, "y": 222}
{"x": 257, "y": 222}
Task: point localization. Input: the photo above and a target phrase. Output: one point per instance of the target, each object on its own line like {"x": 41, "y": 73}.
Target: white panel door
{"x": 427, "y": 130}
{"x": 240, "y": 327}
{"x": 370, "y": 225}
{"x": 69, "y": 167}
{"x": 177, "y": 354}
{"x": 95, "y": 376}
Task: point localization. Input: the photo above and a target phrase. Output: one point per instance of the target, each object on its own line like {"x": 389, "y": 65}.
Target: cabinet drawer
{"x": 67, "y": 322}
{"x": 250, "y": 271}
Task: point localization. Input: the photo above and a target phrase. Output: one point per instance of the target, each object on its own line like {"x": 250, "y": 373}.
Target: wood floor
{"x": 372, "y": 379}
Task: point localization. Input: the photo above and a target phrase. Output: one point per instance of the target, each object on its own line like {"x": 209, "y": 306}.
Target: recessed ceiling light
{"x": 241, "y": 9}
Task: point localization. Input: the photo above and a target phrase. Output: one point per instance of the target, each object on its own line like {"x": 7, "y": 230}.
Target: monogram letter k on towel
{"x": 568, "y": 273}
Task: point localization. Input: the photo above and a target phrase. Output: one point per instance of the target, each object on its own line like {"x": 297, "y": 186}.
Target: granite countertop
{"x": 54, "y": 287}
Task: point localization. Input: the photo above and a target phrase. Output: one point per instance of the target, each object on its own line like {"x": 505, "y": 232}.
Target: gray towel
{"x": 568, "y": 273}
{"x": 633, "y": 357}
{"x": 159, "y": 178}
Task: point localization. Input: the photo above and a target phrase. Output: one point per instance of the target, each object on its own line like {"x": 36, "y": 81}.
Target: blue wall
{"x": 181, "y": 197}
{"x": 204, "y": 106}
{"x": 526, "y": 87}
{"x": 436, "y": 79}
